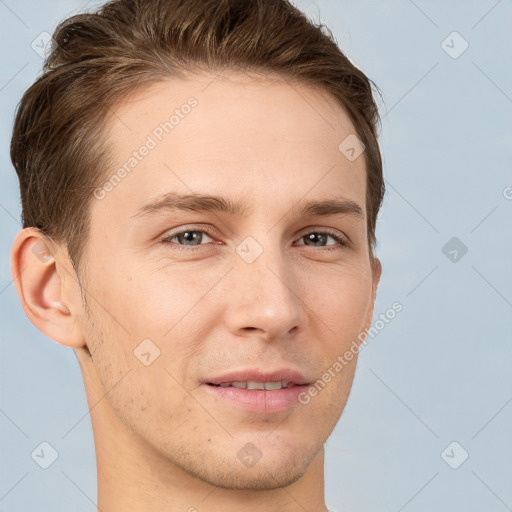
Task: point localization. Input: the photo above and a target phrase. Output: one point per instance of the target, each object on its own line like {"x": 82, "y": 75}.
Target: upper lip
{"x": 284, "y": 374}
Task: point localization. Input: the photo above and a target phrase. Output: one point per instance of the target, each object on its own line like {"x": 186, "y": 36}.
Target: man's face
{"x": 268, "y": 295}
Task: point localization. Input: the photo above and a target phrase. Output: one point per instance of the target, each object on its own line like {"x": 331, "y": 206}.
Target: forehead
{"x": 232, "y": 134}
{"x": 241, "y": 103}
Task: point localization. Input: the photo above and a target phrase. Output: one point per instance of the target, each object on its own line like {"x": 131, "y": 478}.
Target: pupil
{"x": 317, "y": 236}
{"x": 191, "y": 236}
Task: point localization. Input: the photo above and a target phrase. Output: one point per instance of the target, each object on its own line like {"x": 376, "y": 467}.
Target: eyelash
{"x": 342, "y": 242}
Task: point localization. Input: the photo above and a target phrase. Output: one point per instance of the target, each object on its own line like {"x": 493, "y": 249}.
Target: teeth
{"x": 251, "y": 384}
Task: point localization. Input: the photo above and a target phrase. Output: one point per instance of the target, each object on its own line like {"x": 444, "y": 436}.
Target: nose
{"x": 264, "y": 297}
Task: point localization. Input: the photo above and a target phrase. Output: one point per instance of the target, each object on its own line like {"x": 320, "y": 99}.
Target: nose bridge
{"x": 264, "y": 294}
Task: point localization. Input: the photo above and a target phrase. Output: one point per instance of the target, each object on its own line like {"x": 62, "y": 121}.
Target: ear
{"x": 376, "y": 273}
{"x": 47, "y": 287}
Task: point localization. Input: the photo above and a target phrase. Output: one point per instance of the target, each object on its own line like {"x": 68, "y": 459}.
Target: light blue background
{"x": 439, "y": 372}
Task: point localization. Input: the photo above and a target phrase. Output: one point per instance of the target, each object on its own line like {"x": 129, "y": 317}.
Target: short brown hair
{"x": 98, "y": 58}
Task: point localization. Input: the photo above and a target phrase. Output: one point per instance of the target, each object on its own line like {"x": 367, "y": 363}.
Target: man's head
{"x": 200, "y": 184}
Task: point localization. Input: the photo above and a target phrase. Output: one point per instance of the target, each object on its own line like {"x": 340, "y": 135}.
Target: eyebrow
{"x": 207, "y": 203}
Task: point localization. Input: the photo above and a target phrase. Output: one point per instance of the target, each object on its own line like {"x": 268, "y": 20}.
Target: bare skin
{"x": 166, "y": 439}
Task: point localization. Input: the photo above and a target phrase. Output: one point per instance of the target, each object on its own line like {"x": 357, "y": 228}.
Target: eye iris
{"x": 195, "y": 237}
{"x": 316, "y": 237}
{"x": 190, "y": 236}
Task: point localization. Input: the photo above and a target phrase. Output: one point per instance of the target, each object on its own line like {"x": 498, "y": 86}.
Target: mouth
{"x": 256, "y": 391}
{"x": 254, "y": 385}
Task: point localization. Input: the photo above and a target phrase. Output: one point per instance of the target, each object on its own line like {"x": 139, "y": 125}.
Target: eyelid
{"x": 186, "y": 227}
{"x": 182, "y": 229}
{"x": 342, "y": 239}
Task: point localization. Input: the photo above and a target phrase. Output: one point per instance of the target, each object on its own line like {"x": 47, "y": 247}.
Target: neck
{"x": 133, "y": 475}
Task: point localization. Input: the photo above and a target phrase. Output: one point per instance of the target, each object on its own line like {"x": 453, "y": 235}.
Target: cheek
{"x": 341, "y": 303}
{"x": 141, "y": 394}
{"x": 150, "y": 397}
{"x": 151, "y": 318}
{"x": 156, "y": 302}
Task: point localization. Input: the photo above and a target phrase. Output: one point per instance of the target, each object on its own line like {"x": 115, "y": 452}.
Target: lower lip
{"x": 259, "y": 400}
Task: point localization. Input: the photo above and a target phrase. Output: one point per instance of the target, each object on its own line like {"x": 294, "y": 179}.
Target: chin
{"x": 260, "y": 479}
{"x": 274, "y": 472}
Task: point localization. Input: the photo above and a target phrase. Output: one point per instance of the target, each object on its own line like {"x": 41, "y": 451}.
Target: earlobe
{"x": 41, "y": 274}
